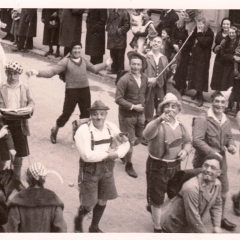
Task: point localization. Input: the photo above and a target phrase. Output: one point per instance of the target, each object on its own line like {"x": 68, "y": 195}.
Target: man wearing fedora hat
{"x": 168, "y": 145}
{"x": 94, "y": 141}
{"x": 212, "y": 136}
{"x": 130, "y": 96}
{"x": 14, "y": 95}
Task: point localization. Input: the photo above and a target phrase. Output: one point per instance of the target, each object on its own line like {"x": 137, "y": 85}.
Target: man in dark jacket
{"x": 167, "y": 20}
{"x": 95, "y": 39}
{"x": 130, "y": 96}
{"x": 212, "y": 136}
{"x": 118, "y": 25}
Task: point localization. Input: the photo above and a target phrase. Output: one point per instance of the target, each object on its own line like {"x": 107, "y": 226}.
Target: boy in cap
{"x": 14, "y": 95}
{"x": 36, "y": 209}
{"x": 131, "y": 97}
{"x": 212, "y": 136}
{"x": 77, "y": 92}
{"x": 94, "y": 141}
{"x": 168, "y": 145}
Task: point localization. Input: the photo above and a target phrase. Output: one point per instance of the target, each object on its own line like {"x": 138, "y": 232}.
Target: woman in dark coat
{"x": 201, "y": 54}
{"x": 219, "y": 81}
{"x": 27, "y": 28}
{"x": 6, "y": 17}
{"x": 70, "y": 28}
{"x": 50, "y": 18}
{"x": 95, "y": 39}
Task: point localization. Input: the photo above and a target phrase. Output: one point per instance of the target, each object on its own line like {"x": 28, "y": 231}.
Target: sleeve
{"x": 30, "y": 102}
{"x": 217, "y": 43}
{"x": 199, "y": 131}
{"x": 216, "y": 210}
{"x": 186, "y": 141}
{"x": 125, "y": 25}
{"x": 205, "y": 41}
{"x": 191, "y": 204}
{"x": 94, "y": 68}
{"x": 83, "y": 143}
{"x": 58, "y": 225}
{"x": 13, "y": 220}
{"x": 124, "y": 147}
{"x": 3, "y": 209}
{"x": 54, "y": 70}
{"x": 225, "y": 55}
{"x": 230, "y": 140}
{"x": 152, "y": 129}
{"x": 120, "y": 93}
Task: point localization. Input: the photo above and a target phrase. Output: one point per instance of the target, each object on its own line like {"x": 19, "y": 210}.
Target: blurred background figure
{"x": 6, "y": 19}
{"x": 50, "y": 18}
{"x": 15, "y": 24}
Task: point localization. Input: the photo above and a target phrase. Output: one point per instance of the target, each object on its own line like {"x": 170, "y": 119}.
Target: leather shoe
{"x": 97, "y": 230}
{"x": 53, "y": 136}
{"x": 130, "y": 171}
{"x": 227, "y": 225}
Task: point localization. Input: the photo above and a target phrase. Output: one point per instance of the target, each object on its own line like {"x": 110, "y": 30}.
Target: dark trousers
{"x": 74, "y": 96}
{"x": 24, "y": 42}
{"x": 117, "y": 56}
{"x": 96, "y": 59}
{"x": 66, "y": 51}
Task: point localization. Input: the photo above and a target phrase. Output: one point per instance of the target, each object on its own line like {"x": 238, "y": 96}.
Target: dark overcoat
{"x": 46, "y": 17}
{"x": 118, "y": 25}
{"x": 218, "y": 79}
{"x": 201, "y": 55}
{"x": 6, "y": 17}
{"x": 28, "y": 22}
{"x": 95, "y": 39}
{"x": 70, "y": 26}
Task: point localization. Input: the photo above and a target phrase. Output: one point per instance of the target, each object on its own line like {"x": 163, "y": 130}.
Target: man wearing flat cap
{"x": 168, "y": 145}
{"x": 198, "y": 197}
{"x": 14, "y": 95}
{"x": 130, "y": 96}
{"x": 212, "y": 136}
{"x": 94, "y": 140}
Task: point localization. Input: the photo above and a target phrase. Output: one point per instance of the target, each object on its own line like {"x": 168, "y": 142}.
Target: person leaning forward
{"x": 198, "y": 196}
{"x": 130, "y": 96}
{"x": 168, "y": 145}
{"x": 95, "y": 142}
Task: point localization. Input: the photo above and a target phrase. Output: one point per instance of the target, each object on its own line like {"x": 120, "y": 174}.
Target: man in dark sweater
{"x": 168, "y": 145}
{"x": 130, "y": 96}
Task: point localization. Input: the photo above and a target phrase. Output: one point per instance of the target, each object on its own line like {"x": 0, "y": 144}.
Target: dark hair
{"x": 32, "y": 182}
{"x": 213, "y": 158}
{"x": 216, "y": 94}
{"x": 224, "y": 20}
{"x": 75, "y": 43}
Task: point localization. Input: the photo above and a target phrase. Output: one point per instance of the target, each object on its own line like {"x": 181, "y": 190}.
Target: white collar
{"x": 175, "y": 125}
{"x": 211, "y": 114}
{"x": 151, "y": 53}
{"x": 93, "y": 128}
{"x": 77, "y": 60}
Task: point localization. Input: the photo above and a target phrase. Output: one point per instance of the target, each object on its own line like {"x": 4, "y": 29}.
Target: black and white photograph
{"x": 119, "y": 120}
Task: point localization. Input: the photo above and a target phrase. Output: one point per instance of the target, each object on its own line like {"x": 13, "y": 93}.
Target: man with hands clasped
{"x": 168, "y": 145}
{"x": 212, "y": 136}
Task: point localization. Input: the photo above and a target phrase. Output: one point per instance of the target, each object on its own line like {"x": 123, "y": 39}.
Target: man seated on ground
{"x": 198, "y": 196}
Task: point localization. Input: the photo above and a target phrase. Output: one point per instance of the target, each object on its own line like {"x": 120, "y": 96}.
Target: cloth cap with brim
{"x": 14, "y": 67}
{"x": 75, "y": 43}
{"x": 169, "y": 98}
{"x": 98, "y": 105}
{"x": 132, "y": 54}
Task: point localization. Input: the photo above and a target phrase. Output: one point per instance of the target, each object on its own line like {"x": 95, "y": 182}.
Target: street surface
{"x": 126, "y": 214}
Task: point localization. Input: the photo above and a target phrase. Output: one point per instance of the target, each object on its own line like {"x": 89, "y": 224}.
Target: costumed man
{"x": 36, "y": 209}
{"x": 168, "y": 145}
{"x": 131, "y": 97}
{"x": 198, "y": 196}
{"x": 212, "y": 136}
{"x": 94, "y": 140}
{"x": 15, "y": 95}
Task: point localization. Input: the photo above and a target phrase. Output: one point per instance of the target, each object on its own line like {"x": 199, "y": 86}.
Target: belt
{"x": 162, "y": 159}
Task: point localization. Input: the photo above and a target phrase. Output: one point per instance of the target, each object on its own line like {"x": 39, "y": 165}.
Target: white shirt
{"x": 138, "y": 80}
{"x": 83, "y": 142}
{"x": 156, "y": 57}
{"x": 14, "y": 94}
{"x": 174, "y": 126}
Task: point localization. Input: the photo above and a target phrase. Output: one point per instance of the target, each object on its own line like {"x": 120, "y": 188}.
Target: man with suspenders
{"x": 168, "y": 144}
{"x": 98, "y": 150}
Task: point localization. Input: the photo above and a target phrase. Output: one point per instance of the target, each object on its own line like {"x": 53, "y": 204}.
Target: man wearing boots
{"x": 94, "y": 141}
{"x": 168, "y": 145}
{"x": 130, "y": 96}
{"x": 212, "y": 136}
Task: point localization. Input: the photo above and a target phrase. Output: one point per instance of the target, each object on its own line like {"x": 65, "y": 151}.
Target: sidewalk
{"x": 40, "y": 50}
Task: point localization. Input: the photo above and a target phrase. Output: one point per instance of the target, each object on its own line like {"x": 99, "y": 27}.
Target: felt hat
{"x": 132, "y": 54}
{"x": 98, "y": 105}
{"x": 169, "y": 97}
{"x": 39, "y": 171}
{"x": 14, "y": 67}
